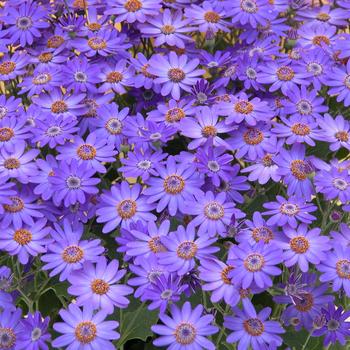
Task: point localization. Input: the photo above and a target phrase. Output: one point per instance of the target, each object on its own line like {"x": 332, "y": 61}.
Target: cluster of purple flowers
{"x": 191, "y": 156}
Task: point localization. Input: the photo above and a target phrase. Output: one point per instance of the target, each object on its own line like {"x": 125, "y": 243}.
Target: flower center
{"x": 7, "y": 67}
{"x": 85, "y": 332}
{"x": 168, "y": 29}
{"x": 254, "y": 327}
{"x": 249, "y": 6}
{"x": 176, "y": 75}
{"x": 304, "y": 107}
{"x": 53, "y": 131}
{"x": 300, "y": 129}
{"x": 16, "y": 206}
{"x": 289, "y": 209}
{"x": 145, "y": 72}
{"x": 36, "y": 334}
{"x": 225, "y": 274}
{"x": 342, "y": 136}
{"x": 340, "y": 184}
{"x": 333, "y": 324}
{"x": 346, "y": 81}
{"x": 299, "y": 168}
{"x": 320, "y": 39}
{"x": 42, "y": 79}
{"x": 343, "y": 268}
{"x": 45, "y": 57}
{"x": 267, "y": 160}
{"x": 80, "y": 77}
{"x": 114, "y": 126}
{"x": 127, "y": 208}
{"x": 86, "y": 152}
{"x": 94, "y": 26}
{"x": 72, "y": 254}
{"x": 230, "y": 71}
{"x": 156, "y": 245}
{"x": 6, "y": 134}
{"x": 59, "y": 107}
{"x": 213, "y": 166}
{"x": 97, "y": 43}
{"x": 174, "y": 184}
{"x": 99, "y": 286}
{"x": 80, "y": 4}
{"x": 214, "y": 211}
{"x": 251, "y": 73}
{"x": 254, "y": 262}
{"x": 322, "y": 16}
{"x": 209, "y": 131}
{"x": 24, "y": 23}
{"x": 305, "y": 302}
{"x": 22, "y": 237}
{"x": 12, "y": 163}
{"x": 174, "y": 115}
{"x": 253, "y": 136}
{"x": 73, "y": 182}
{"x": 212, "y": 17}
{"x": 244, "y": 107}
{"x": 166, "y": 294}
{"x": 299, "y": 244}
{"x": 187, "y": 250}
{"x": 133, "y": 5}
{"x": 285, "y": 73}
{"x": 185, "y": 333}
{"x": 7, "y": 338}
{"x": 114, "y": 77}
{"x": 314, "y": 68}
{"x": 262, "y": 233}
{"x": 144, "y": 164}
{"x": 55, "y": 41}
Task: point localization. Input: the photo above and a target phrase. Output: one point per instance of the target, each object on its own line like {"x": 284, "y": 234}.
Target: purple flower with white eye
{"x": 254, "y": 264}
{"x": 204, "y": 128}
{"x": 168, "y": 29}
{"x": 185, "y": 329}
{"x": 177, "y": 183}
{"x": 215, "y": 274}
{"x": 241, "y": 108}
{"x": 253, "y": 12}
{"x": 175, "y": 73}
{"x": 8, "y": 106}
{"x": 295, "y": 168}
{"x": 82, "y": 328}
{"x": 141, "y": 163}
{"x": 68, "y": 252}
{"x": 148, "y": 241}
{"x": 93, "y": 152}
{"x": 263, "y": 170}
{"x": 11, "y": 67}
{"x": 61, "y": 104}
{"x": 213, "y": 214}
{"x": 18, "y": 165}
{"x": 333, "y": 184}
{"x": 183, "y": 248}
{"x": 209, "y": 17}
{"x": 248, "y": 72}
{"x": 252, "y": 141}
{"x": 302, "y": 246}
{"x": 116, "y": 76}
{"x": 99, "y": 285}
{"x": 133, "y": 10}
{"x": 338, "y": 80}
{"x": 29, "y": 240}
{"x": 25, "y": 23}
{"x": 123, "y": 205}
{"x": 289, "y": 211}
{"x": 54, "y": 130}
{"x": 13, "y": 131}
{"x": 252, "y": 329}
{"x": 335, "y": 131}
{"x": 336, "y": 268}
{"x": 71, "y": 183}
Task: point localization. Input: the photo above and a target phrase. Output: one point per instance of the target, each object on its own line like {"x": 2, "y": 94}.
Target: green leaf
{"x": 296, "y": 340}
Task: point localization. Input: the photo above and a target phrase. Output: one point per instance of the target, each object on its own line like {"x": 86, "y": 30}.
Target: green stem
{"x": 307, "y": 340}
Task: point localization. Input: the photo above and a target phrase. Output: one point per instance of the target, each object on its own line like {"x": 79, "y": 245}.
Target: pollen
{"x": 86, "y": 332}
{"x": 7, "y": 67}
{"x": 342, "y": 136}
{"x": 22, "y": 237}
{"x": 168, "y": 29}
{"x": 133, "y": 5}
{"x": 285, "y": 73}
{"x": 224, "y": 274}
{"x": 16, "y": 206}
{"x": 127, "y": 208}
{"x": 253, "y": 136}
{"x": 114, "y": 77}
{"x": 212, "y": 17}
{"x": 155, "y": 245}
{"x": 72, "y": 254}
{"x": 55, "y": 41}
{"x": 321, "y": 39}
{"x": 86, "y": 152}
{"x": 59, "y": 107}
{"x": 97, "y": 43}
{"x": 187, "y": 250}
{"x": 254, "y": 327}
{"x": 174, "y": 115}
{"x": 176, "y": 75}
{"x": 244, "y": 107}
{"x": 6, "y": 134}
{"x": 209, "y": 131}
{"x": 299, "y": 245}
{"x": 12, "y": 163}
{"x": 173, "y": 184}
{"x": 99, "y": 286}
{"x": 300, "y": 129}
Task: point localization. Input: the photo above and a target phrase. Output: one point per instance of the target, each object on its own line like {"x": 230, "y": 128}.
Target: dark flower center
{"x": 305, "y": 302}
{"x": 323, "y": 17}
{"x": 7, "y": 338}
{"x": 86, "y": 152}
{"x": 342, "y": 136}
{"x": 176, "y": 75}
{"x": 59, "y": 107}
{"x": 53, "y": 131}
{"x": 244, "y": 107}
{"x": 127, "y": 208}
{"x": 133, "y": 5}
{"x": 6, "y": 134}
{"x": 7, "y": 67}
{"x": 16, "y": 206}
{"x": 80, "y": 77}
{"x": 214, "y": 211}
{"x": 333, "y": 324}
{"x": 300, "y": 129}
{"x": 254, "y": 262}
{"x": 185, "y": 333}
{"x": 249, "y": 6}
{"x": 225, "y": 274}
{"x": 155, "y": 245}
{"x": 187, "y": 250}
{"x": 97, "y": 43}
{"x": 73, "y": 182}
{"x": 299, "y": 169}
{"x": 12, "y": 163}
{"x": 254, "y": 327}
{"x": 285, "y": 73}
{"x": 299, "y": 244}
{"x": 262, "y": 233}
{"x": 55, "y": 41}
{"x": 114, "y": 126}
{"x": 24, "y": 23}
{"x": 343, "y": 268}
{"x": 212, "y": 17}
{"x": 173, "y": 184}
{"x": 340, "y": 184}
{"x": 253, "y": 136}
{"x": 321, "y": 39}
{"x": 114, "y": 77}
{"x": 167, "y": 29}
{"x": 209, "y": 131}
{"x": 174, "y": 115}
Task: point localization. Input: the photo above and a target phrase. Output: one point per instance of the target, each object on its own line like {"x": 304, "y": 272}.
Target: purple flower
{"x": 342, "y": 237}
{"x": 98, "y": 285}
{"x": 6, "y": 191}
{"x": 122, "y": 206}
{"x": 339, "y": 81}
{"x": 175, "y": 73}
{"x": 8, "y": 106}
{"x": 13, "y": 131}
{"x": 68, "y": 252}
{"x": 253, "y": 329}
{"x": 11, "y": 328}
{"x": 289, "y": 211}
{"x": 325, "y": 14}
{"x": 83, "y": 328}
{"x": 186, "y": 328}
{"x": 11, "y": 67}
{"x": 254, "y": 264}
{"x": 183, "y": 248}
{"x": 216, "y": 275}
{"x": 34, "y": 334}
